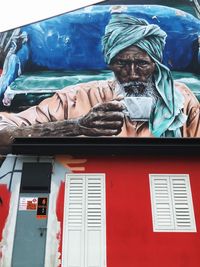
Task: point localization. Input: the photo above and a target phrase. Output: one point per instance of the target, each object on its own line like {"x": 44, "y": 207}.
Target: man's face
{"x": 132, "y": 68}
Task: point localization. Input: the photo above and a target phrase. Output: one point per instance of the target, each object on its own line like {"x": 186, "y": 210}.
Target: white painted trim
{"x": 103, "y": 214}
{"x": 174, "y": 227}
{"x": 9, "y": 229}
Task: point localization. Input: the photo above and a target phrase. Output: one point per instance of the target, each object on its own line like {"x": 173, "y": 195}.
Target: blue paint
{"x": 73, "y": 41}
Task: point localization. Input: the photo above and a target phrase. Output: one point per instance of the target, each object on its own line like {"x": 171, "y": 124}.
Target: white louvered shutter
{"x": 73, "y": 229}
{"x": 171, "y": 200}
{"x": 182, "y": 203}
{"x": 95, "y": 221}
{"x": 84, "y": 221}
{"x": 162, "y": 205}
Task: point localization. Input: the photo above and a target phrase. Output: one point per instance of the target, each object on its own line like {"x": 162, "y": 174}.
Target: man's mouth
{"x": 135, "y": 87}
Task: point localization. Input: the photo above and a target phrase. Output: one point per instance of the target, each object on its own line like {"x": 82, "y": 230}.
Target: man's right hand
{"x": 103, "y": 120}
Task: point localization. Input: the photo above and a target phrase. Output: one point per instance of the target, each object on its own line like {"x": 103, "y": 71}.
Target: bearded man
{"x": 133, "y": 51}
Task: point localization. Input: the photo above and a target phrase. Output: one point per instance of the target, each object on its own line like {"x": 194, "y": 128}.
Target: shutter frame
{"x": 180, "y": 203}
{"x": 69, "y": 249}
{"x": 161, "y": 203}
{"x": 93, "y": 229}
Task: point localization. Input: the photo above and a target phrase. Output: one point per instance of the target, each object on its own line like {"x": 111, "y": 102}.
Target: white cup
{"x": 138, "y": 108}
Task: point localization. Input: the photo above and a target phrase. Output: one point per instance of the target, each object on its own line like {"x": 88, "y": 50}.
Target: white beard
{"x": 134, "y": 90}
{"x": 139, "y": 98}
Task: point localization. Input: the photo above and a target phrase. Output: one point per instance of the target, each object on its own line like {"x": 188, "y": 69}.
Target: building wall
{"x": 130, "y": 237}
{"x": 4, "y": 206}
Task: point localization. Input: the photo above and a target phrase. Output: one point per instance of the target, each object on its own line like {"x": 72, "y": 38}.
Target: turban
{"x": 123, "y": 31}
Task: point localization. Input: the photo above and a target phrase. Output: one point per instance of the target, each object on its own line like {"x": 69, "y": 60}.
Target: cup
{"x": 138, "y": 108}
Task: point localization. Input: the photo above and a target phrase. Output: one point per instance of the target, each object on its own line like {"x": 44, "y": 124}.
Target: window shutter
{"x": 182, "y": 203}
{"x": 74, "y": 222}
{"x": 84, "y": 221}
{"x": 94, "y": 242}
{"x": 171, "y": 200}
{"x": 162, "y": 206}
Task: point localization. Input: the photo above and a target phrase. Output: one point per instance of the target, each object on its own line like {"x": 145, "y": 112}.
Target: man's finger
{"x": 101, "y": 132}
{"x": 108, "y": 116}
{"x": 119, "y": 98}
{"x": 109, "y": 106}
{"x": 108, "y": 124}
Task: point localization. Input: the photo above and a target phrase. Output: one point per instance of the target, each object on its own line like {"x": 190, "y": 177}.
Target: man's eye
{"x": 120, "y": 62}
{"x": 142, "y": 63}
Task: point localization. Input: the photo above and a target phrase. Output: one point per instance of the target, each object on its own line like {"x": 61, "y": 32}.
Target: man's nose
{"x": 133, "y": 74}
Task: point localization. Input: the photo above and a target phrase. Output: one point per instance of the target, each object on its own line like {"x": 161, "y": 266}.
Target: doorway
{"x": 32, "y": 216}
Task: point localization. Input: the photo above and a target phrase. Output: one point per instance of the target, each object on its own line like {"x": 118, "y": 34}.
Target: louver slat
{"x": 94, "y": 203}
{"x": 75, "y": 214}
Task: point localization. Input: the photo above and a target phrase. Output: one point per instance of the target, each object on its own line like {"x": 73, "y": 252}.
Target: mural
{"x": 105, "y": 70}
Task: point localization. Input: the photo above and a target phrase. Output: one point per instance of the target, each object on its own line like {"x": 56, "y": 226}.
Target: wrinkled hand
{"x": 103, "y": 120}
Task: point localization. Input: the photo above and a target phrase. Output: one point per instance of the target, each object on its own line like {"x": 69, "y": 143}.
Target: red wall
{"x": 4, "y": 209}
{"x": 130, "y": 237}
{"x": 4, "y": 206}
{"x": 59, "y": 214}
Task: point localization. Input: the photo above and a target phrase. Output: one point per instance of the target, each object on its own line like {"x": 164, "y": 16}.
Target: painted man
{"x": 133, "y": 51}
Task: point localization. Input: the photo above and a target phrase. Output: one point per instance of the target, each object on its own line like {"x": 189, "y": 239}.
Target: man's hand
{"x": 103, "y": 120}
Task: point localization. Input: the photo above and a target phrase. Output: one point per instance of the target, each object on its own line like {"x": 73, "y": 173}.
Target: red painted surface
{"x": 130, "y": 237}
{"x": 4, "y": 206}
{"x": 59, "y": 214}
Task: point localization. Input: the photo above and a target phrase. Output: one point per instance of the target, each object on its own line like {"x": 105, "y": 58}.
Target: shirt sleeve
{"x": 70, "y": 102}
{"x": 192, "y": 109}
{"x": 51, "y": 109}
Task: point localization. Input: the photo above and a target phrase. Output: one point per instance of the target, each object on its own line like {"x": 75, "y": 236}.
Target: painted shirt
{"x": 76, "y": 101}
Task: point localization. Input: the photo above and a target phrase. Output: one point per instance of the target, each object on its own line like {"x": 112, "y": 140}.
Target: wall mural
{"x": 105, "y": 70}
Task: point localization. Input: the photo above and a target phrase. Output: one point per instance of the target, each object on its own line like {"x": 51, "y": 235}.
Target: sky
{"x": 15, "y": 13}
